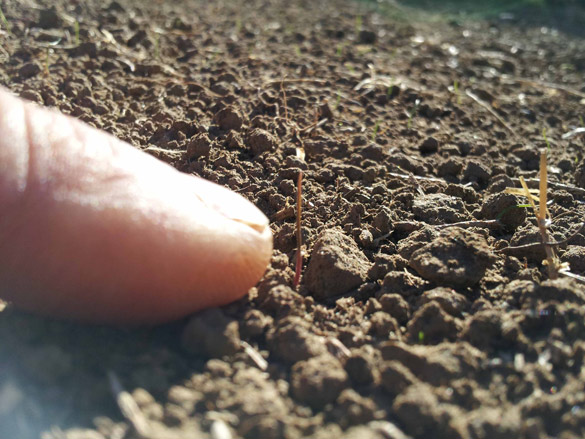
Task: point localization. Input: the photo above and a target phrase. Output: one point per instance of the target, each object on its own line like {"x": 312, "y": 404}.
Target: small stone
{"x": 429, "y": 145}
{"x": 318, "y": 381}
{"x": 29, "y": 70}
{"x": 336, "y": 266}
{"x": 367, "y": 37}
{"x": 211, "y": 333}
{"x": 49, "y": 18}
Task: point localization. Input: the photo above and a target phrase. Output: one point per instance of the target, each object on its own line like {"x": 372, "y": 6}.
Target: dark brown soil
{"x": 401, "y": 327}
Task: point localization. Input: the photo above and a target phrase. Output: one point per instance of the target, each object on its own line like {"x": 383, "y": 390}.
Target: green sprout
{"x": 456, "y": 91}
{"x": 421, "y": 337}
{"x": 297, "y": 50}
{"x": 412, "y": 113}
{"x": 358, "y": 23}
{"x": 47, "y": 52}
{"x": 375, "y": 131}
{"x": 76, "y": 30}
{"x": 546, "y": 139}
{"x": 581, "y": 121}
{"x": 337, "y": 101}
{"x": 4, "y": 21}
{"x": 156, "y": 45}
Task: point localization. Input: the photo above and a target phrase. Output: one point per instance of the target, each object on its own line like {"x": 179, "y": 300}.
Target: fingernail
{"x": 231, "y": 205}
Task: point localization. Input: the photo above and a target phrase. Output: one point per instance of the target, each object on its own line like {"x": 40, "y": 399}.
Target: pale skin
{"x": 92, "y": 229}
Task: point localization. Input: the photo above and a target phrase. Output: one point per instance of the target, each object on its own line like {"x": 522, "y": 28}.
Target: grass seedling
{"x": 359, "y": 21}
{"x": 156, "y": 45}
{"x": 337, "y": 101}
{"x": 76, "y": 30}
{"x": 412, "y": 112}
{"x": 546, "y": 140}
{"x": 46, "y": 70}
{"x": 375, "y": 131}
{"x": 4, "y": 21}
{"x": 456, "y": 91}
{"x": 581, "y": 121}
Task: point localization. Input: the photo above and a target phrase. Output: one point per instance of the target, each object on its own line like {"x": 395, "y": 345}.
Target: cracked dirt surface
{"x": 402, "y": 327}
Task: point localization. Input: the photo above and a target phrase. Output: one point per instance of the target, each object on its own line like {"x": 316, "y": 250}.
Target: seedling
{"x": 456, "y": 91}
{"x": 581, "y": 121}
{"x": 76, "y": 30}
{"x": 375, "y": 131}
{"x": 156, "y": 45}
{"x": 358, "y": 23}
{"x": 46, "y": 71}
{"x": 4, "y": 21}
{"x": 337, "y": 101}
{"x": 412, "y": 113}
{"x": 546, "y": 140}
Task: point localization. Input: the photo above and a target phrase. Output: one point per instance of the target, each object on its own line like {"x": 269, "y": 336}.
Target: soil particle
{"x": 353, "y": 409}
{"x": 503, "y": 207}
{"x": 560, "y": 290}
{"x": 418, "y": 411}
{"x": 395, "y": 377}
{"x": 429, "y": 145}
{"x": 199, "y": 146}
{"x": 458, "y": 258}
{"x": 260, "y": 141}
{"x": 360, "y": 366}
{"x": 318, "y": 381}
{"x": 384, "y": 325}
{"x": 448, "y": 299}
{"x": 488, "y": 330}
{"x": 439, "y": 209}
{"x": 396, "y": 306}
{"x": 29, "y": 70}
{"x": 212, "y": 334}
{"x": 431, "y": 324}
{"x": 495, "y": 423}
{"x": 383, "y": 264}
{"x": 291, "y": 340}
{"x": 228, "y": 118}
{"x": 336, "y": 266}
{"x": 403, "y": 283}
{"x": 477, "y": 172}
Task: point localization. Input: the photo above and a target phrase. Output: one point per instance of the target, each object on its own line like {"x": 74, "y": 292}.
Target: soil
{"x": 403, "y": 325}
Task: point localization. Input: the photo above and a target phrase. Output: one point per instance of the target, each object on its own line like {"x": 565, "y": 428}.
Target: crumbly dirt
{"x": 402, "y": 327}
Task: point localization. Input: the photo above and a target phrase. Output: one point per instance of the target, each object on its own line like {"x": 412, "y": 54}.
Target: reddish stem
{"x": 299, "y": 257}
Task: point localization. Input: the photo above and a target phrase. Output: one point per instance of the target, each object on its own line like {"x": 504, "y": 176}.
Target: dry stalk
{"x": 542, "y": 215}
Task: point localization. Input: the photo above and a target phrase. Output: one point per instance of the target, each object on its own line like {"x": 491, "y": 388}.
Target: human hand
{"x": 94, "y": 230}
